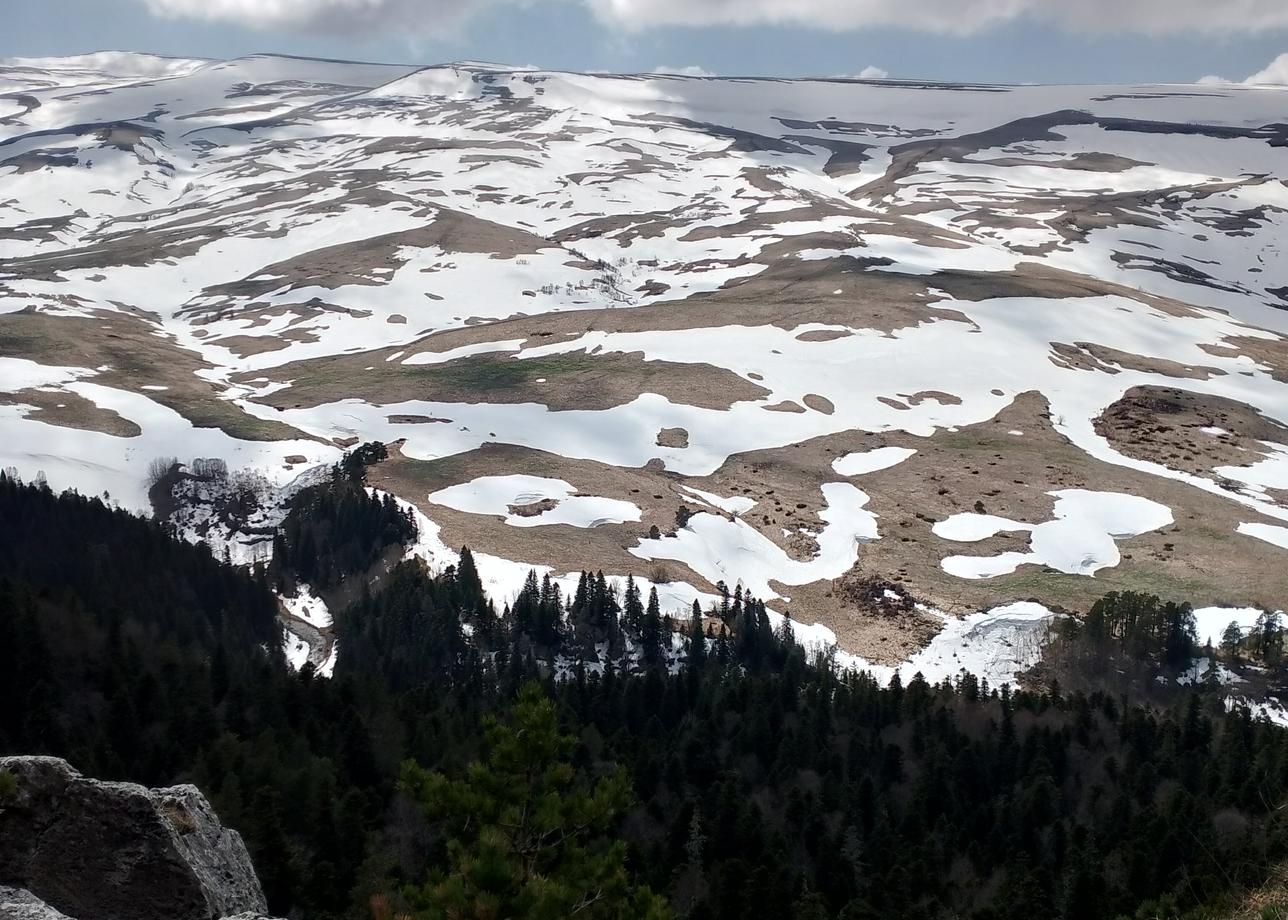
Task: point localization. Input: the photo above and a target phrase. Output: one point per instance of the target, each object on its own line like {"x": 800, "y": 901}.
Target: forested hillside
{"x": 719, "y": 776}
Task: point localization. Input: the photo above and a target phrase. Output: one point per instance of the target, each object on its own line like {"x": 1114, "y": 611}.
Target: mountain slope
{"x": 982, "y": 343}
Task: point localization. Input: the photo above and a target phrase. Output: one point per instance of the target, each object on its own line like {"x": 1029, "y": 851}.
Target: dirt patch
{"x": 1187, "y": 431}
{"x": 673, "y": 437}
{"x": 1091, "y": 356}
{"x": 823, "y": 335}
{"x": 939, "y": 396}
{"x": 534, "y": 509}
{"x": 1271, "y": 354}
{"x": 819, "y": 403}
{"x": 71, "y": 410}
{"x": 415, "y": 419}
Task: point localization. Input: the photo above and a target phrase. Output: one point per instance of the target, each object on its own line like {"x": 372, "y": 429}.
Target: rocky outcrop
{"x": 16, "y": 904}
{"x": 96, "y": 850}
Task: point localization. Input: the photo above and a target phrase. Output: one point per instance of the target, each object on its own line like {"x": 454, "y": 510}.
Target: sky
{"x": 996, "y": 41}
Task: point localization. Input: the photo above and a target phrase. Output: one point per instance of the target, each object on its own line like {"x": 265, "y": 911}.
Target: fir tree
{"x": 526, "y": 835}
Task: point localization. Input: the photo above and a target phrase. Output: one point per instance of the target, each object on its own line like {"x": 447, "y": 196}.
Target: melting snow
{"x": 1079, "y": 541}
{"x": 495, "y": 495}
{"x": 295, "y": 648}
{"x": 736, "y": 504}
{"x": 871, "y": 461}
{"x": 1210, "y": 622}
{"x": 1268, "y": 532}
{"x": 719, "y": 549}
{"x": 307, "y": 606}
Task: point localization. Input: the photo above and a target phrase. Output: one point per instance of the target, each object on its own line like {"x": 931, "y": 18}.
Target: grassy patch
{"x": 485, "y": 374}
{"x": 208, "y": 411}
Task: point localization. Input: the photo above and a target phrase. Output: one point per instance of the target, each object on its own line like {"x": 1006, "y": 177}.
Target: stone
{"x": 17, "y": 904}
{"x": 98, "y": 850}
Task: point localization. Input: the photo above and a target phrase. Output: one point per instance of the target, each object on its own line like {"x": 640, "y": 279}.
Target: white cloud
{"x": 338, "y": 16}
{"x": 960, "y": 17}
{"x": 692, "y": 70}
{"x": 871, "y": 72}
{"x": 940, "y": 16}
{"x": 1213, "y": 79}
{"x": 1277, "y": 72}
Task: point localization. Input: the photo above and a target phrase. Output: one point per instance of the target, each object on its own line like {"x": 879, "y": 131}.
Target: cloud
{"x": 1277, "y": 72}
{"x": 692, "y": 70}
{"x": 1213, "y": 79}
{"x": 328, "y": 16}
{"x": 959, "y": 17}
{"x": 954, "y": 17}
{"x": 873, "y": 72}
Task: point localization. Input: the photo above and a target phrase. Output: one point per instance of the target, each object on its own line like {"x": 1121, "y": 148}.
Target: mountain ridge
{"x": 555, "y": 290}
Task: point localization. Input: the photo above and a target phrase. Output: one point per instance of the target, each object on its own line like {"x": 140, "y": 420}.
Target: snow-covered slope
{"x": 664, "y": 292}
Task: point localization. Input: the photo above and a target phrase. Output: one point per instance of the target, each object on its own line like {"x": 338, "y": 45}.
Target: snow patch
{"x": 1079, "y": 541}
{"x": 871, "y": 461}
{"x": 497, "y": 494}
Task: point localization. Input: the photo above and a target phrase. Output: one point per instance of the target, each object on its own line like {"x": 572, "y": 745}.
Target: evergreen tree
{"x": 526, "y": 835}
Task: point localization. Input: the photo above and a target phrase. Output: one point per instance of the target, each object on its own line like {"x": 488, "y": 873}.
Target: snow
{"x": 22, "y": 374}
{"x": 307, "y": 606}
{"x": 327, "y": 667}
{"x": 95, "y": 463}
{"x": 1210, "y": 622}
{"x": 871, "y": 461}
{"x": 695, "y": 178}
{"x": 733, "y": 551}
{"x": 1270, "y": 533}
{"x": 463, "y": 351}
{"x": 263, "y": 223}
{"x": 735, "y": 504}
{"x": 996, "y": 645}
{"x": 1198, "y": 671}
{"x": 1080, "y": 540}
{"x": 1271, "y": 709}
{"x": 1270, "y": 472}
{"x": 496, "y": 494}
{"x": 295, "y": 648}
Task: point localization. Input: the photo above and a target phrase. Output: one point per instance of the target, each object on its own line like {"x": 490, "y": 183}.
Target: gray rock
{"x": 16, "y": 904}
{"x": 118, "y": 851}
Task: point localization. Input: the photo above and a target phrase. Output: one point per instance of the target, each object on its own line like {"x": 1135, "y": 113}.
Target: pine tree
{"x": 697, "y": 651}
{"x": 651, "y": 631}
{"x": 526, "y": 835}
{"x": 1231, "y": 641}
{"x": 632, "y": 606}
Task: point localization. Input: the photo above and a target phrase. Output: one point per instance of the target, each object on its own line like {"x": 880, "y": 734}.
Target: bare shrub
{"x": 659, "y": 575}
{"x": 209, "y": 468}
{"x": 160, "y": 468}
